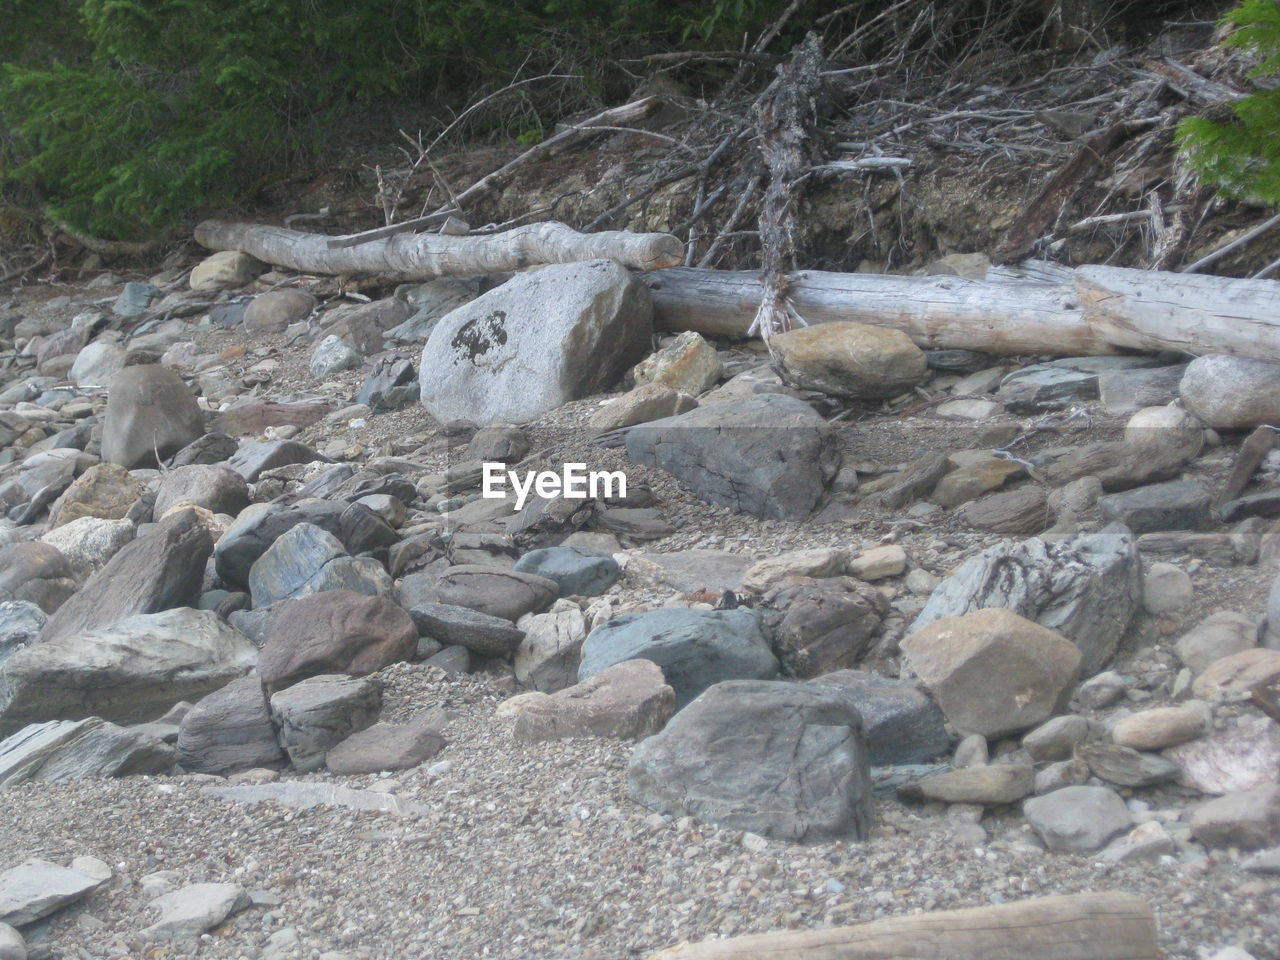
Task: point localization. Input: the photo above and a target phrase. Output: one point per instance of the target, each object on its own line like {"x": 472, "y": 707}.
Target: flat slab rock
{"x": 192, "y": 910}
{"x": 303, "y": 795}
{"x": 73, "y": 749}
{"x": 36, "y": 888}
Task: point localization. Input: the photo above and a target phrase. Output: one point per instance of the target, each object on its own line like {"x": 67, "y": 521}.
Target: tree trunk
{"x": 1087, "y": 926}
{"x": 422, "y": 256}
{"x": 1095, "y": 310}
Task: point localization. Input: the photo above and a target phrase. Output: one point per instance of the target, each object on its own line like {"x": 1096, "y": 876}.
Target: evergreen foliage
{"x": 1242, "y": 155}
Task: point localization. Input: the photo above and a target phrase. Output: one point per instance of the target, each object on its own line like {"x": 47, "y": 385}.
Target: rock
{"x": 1235, "y": 676}
{"x": 1230, "y": 760}
{"x": 973, "y": 479}
{"x": 20, "y": 624}
{"x": 535, "y": 343}
{"x": 366, "y": 326}
{"x": 387, "y": 746}
{"x": 986, "y": 784}
{"x": 12, "y": 944}
{"x": 431, "y": 301}
{"x": 779, "y": 759}
{"x": 913, "y": 483}
{"x": 333, "y": 355}
{"x": 578, "y": 571}
{"x": 992, "y": 671}
{"x": 972, "y": 266}
{"x": 820, "y": 626}
{"x": 1177, "y": 505}
{"x": 1014, "y": 512}
{"x": 210, "y": 448}
{"x": 333, "y": 632}
{"x": 88, "y": 543}
{"x": 548, "y": 655}
{"x": 497, "y": 444}
{"x": 817, "y": 562}
{"x": 390, "y": 384}
{"x": 105, "y": 491}
{"x": 1160, "y": 727}
{"x": 499, "y": 593}
{"x": 1077, "y": 819}
{"x": 1147, "y": 841}
{"x": 1102, "y": 690}
{"x": 270, "y": 312}
{"x": 134, "y": 299}
{"x": 452, "y": 661}
{"x": 1127, "y": 391}
{"x": 1125, "y": 766}
{"x": 1062, "y": 773}
{"x": 73, "y": 749}
{"x": 1216, "y": 636}
{"x": 1045, "y": 386}
{"x": 129, "y": 672}
{"x": 36, "y": 888}
{"x": 225, "y": 269}
{"x": 1231, "y": 393}
{"x": 1086, "y": 589}
{"x": 217, "y": 489}
{"x": 1120, "y": 464}
{"x": 1267, "y": 861}
{"x": 768, "y": 455}
{"x": 879, "y": 563}
{"x": 694, "y": 648}
{"x": 844, "y": 359}
{"x": 969, "y": 408}
{"x": 252, "y": 460}
{"x": 1166, "y": 428}
{"x": 256, "y": 416}
{"x": 688, "y": 365}
{"x": 690, "y": 571}
{"x": 1165, "y": 589}
{"x": 97, "y": 363}
{"x": 36, "y": 573}
{"x": 1056, "y": 739}
{"x": 259, "y": 525}
{"x": 650, "y": 401}
{"x": 230, "y": 730}
{"x": 318, "y": 713}
{"x": 900, "y": 723}
{"x": 189, "y": 912}
{"x": 156, "y": 572}
{"x": 627, "y": 701}
{"x": 306, "y": 560}
{"x": 150, "y": 412}
{"x": 1249, "y": 820}
{"x": 453, "y": 625}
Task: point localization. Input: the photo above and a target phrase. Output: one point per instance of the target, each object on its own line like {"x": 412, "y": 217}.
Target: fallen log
{"x": 1094, "y": 310}
{"x": 422, "y": 256}
{"x": 1087, "y": 926}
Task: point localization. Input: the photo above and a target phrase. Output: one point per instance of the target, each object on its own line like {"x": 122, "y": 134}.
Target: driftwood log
{"x": 1087, "y": 926}
{"x": 1092, "y": 310}
{"x": 422, "y": 256}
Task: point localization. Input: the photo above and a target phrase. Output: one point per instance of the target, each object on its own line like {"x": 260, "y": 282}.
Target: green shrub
{"x": 1242, "y": 155}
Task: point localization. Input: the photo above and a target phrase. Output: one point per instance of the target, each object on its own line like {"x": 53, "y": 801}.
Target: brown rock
{"x": 650, "y": 401}
{"x": 274, "y": 310}
{"x": 627, "y": 701}
{"x": 1014, "y": 512}
{"x": 1249, "y": 820}
{"x": 254, "y": 416}
{"x": 150, "y": 412}
{"x": 689, "y": 365}
{"x": 105, "y": 491}
{"x": 1159, "y": 728}
{"x": 1120, "y": 464}
{"x": 827, "y": 624}
{"x": 845, "y": 359}
{"x": 990, "y": 784}
{"x": 974, "y": 479}
{"x": 1234, "y": 676}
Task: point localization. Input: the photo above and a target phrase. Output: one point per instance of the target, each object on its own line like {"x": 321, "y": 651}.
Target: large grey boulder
{"x": 694, "y": 648}
{"x": 780, "y": 759}
{"x": 130, "y": 672}
{"x": 229, "y": 730}
{"x": 217, "y": 489}
{"x": 1087, "y": 589}
{"x": 150, "y": 412}
{"x": 535, "y": 343}
{"x": 259, "y": 525}
{"x": 1231, "y": 393}
{"x": 320, "y": 712}
{"x": 307, "y": 560}
{"x": 159, "y": 571}
{"x": 73, "y": 749}
{"x": 769, "y": 455}
{"x": 900, "y": 722}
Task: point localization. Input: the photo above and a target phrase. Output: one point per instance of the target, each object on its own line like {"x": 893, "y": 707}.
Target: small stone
{"x": 1249, "y": 820}
{"x": 1056, "y": 739}
{"x": 1077, "y": 819}
{"x": 1102, "y": 690}
{"x": 987, "y": 784}
{"x": 689, "y": 365}
{"x": 1166, "y": 589}
{"x": 879, "y": 563}
{"x": 815, "y": 562}
{"x": 225, "y": 269}
{"x": 1159, "y": 728}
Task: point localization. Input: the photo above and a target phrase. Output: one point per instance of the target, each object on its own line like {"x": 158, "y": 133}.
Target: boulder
{"x": 453, "y": 625}
{"x": 366, "y": 326}
{"x": 627, "y": 701}
{"x": 73, "y": 749}
{"x": 845, "y": 359}
{"x": 97, "y": 363}
{"x": 1086, "y": 589}
{"x": 126, "y": 673}
{"x": 1231, "y": 393}
{"x": 318, "y": 713}
{"x": 305, "y": 560}
{"x": 252, "y": 460}
{"x": 768, "y": 455}
{"x": 783, "y": 760}
{"x": 1230, "y": 760}
{"x": 1124, "y": 766}
{"x": 901, "y": 724}
{"x": 694, "y": 648}
{"x": 549, "y": 653}
{"x": 1249, "y": 819}
{"x": 150, "y": 413}
{"x": 36, "y": 573}
{"x": 159, "y": 571}
{"x": 1234, "y": 677}
{"x": 1077, "y": 819}
{"x": 816, "y": 562}
{"x": 333, "y": 355}
{"x": 88, "y": 543}
{"x": 259, "y": 525}
{"x": 106, "y": 491}
{"x": 535, "y": 343}
{"x": 333, "y": 632}
{"x": 652, "y": 401}
{"x": 1160, "y": 727}
{"x": 1176, "y": 505}
{"x": 499, "y": 593}
{"x": 252, "y": 416}
{"x": 21, "y": 622}
{"x": 819, "y": 626}
{"x": 36, "y": 888}
{"x": 992, "y": 671}
{"x": 225, "y": 269}
{"x": 1216, "y": 636}
{"x": 688, "y": 365}
{"x": 229, "y": 730}
{"x": 1056, "y": 739}
{"x": 271, "y": 312}
{"x": 387, "y": 747}
{"x": 189, "y": 912}
{"x": 217, "y": 489}
{"x": 577, "y": 570}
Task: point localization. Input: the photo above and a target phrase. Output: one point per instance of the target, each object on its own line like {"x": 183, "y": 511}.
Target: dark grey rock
{"x": 134, "y": 299}
{"x": 1176, "y": 505}
{"x": 452, "y": 660}
{"x": 217, "y": 489}
{"x": 461, "y": 626}
{"x": 230, "y": 730}
{"x": 768, "y": 455}
{"x": 1077, "y": 819}
{"x": 780, "y": 759}
{"x": 1046, "y": 387}
{"x": 578, "y": 571}
{"x": 319, "y": 713}
{"x": 389, "y": 373}
{"x": 823, "y": 625}
{"x": 497, "y": 444}
{"x": 73, "y": 749}
{"x": 210, "y": 448}
{"x": 305, "y": 560}
{"x": 694, "y": 648}
{"x": 254, "y": 459}
{"x": 258, "y": 526}
{"x": 492, "y": 590}
{"x": 20, "y": 624}
{"x": 900, "y": 722}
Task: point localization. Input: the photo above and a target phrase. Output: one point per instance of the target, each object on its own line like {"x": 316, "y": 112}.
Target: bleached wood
{"x": 422, "y": 256}
{"x": 1088, "y": 926}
